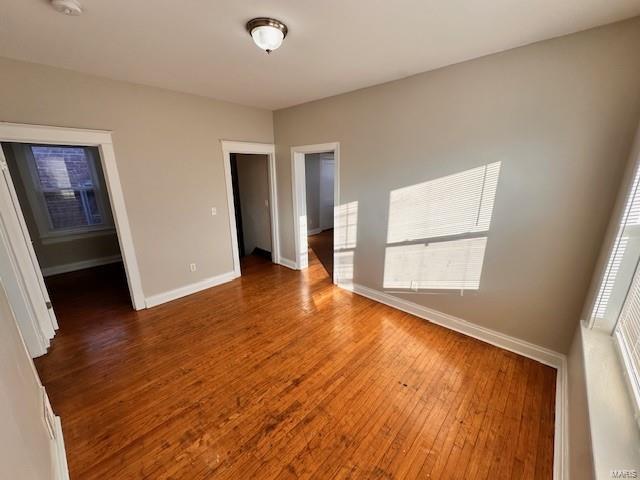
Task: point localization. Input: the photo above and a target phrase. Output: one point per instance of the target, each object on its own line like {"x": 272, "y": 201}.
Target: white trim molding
{"x": 72, "y": 267}
{"x": 269, "y": 149}
{"x": 299, "y": 189}
{"x": 285, "y": 262}
{"x": 155, "y": 300}
{"x": 53, "y": 239}
{"x": 23, "y": 133}
{"x": 26, "y": 133}
{"x": 59, "y": 453}
{"x": 561, "y": 430}
{"x": 512, "y": 344}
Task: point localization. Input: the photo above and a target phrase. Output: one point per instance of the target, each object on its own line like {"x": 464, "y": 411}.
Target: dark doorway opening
{"x": 250, "y": 183}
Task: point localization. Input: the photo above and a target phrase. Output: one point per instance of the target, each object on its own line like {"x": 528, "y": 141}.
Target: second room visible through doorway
{"x": 319, "y": 186}
{"x": 250, "y": 180}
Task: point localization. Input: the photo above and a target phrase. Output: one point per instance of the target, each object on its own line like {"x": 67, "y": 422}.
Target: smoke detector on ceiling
{"x": 71, "y": 8}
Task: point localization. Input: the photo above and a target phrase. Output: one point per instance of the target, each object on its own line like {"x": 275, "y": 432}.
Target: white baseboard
{"x": 164, "y": 297}
{"x": 541, "y": 354}
{"x": 72, "y": 267}
{"x": 61, "y": 469}
{"x": 285, "y": 262}
{"x": 561, "y": 430}
{"x": 530, "y": 350}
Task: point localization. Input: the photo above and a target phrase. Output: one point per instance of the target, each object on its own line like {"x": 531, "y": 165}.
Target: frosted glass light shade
{"x": 267, "y": 37}
{"x": 267, "y": 33}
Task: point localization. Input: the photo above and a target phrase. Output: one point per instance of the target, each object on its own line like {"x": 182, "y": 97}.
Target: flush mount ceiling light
{"x": 267, "y": 33}
{"x": 67, "y": 7}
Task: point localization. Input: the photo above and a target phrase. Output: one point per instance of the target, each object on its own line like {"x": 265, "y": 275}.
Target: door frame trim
{"x": 102, "y": 139}
{"x": 268, "y": 149}
{"x": 299, "y": 190}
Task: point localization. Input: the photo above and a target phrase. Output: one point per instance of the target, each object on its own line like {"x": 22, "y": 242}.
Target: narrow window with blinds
{"x": 622, "y": 262}
{"x": 627, "y": 333}
{"x": 437, "y": 231}
{"x": 617, "y": 304}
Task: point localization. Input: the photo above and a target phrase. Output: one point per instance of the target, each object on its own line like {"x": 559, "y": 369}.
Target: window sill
{"x": 73, "y": 236}
{"x": 615, "y": 435}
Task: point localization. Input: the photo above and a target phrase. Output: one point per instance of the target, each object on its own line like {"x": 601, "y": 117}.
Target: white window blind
{"x": 622, "y": 259}
{"x": 617, "y": 304}
{"x": 627, "y": 333}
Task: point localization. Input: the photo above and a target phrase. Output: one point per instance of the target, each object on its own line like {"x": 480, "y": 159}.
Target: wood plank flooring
{"x": 279, "y": 374}
{"x": 322, "y": 246}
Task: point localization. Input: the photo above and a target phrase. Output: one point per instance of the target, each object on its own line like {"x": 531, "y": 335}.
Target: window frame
{"x": 35, "y": 195}
{"x": 629, "y": 368}
{"x": 597, "y": 319}
{"x": 628, "y": 372}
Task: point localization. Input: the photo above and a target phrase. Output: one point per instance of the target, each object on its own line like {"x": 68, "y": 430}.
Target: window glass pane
{"x": 628, "y": 335}
{"x": 91, "y": 207}
{"x": 65, "y": 178}
{"x": 62, "y": 167}
{"x": 72, "y": 209}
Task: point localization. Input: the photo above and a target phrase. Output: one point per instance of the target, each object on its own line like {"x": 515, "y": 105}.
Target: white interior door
{"x": 23, "y": 259}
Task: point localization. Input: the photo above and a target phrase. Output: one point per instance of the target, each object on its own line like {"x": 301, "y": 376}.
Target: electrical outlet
{"x": 192, "y": 267}
{"x": 214, "y": 211}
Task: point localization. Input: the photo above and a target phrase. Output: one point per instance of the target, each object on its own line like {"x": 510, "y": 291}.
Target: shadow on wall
{"x": 437, "y": 232}
{"x": 346, "y": 236}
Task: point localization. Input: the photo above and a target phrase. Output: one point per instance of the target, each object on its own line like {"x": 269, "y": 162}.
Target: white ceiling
{"x": 333, "y": 46}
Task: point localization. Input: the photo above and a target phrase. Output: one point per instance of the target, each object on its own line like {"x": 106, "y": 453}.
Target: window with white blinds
{"x": 627, "y": 332}
{"x": 622, "y": 260}
{"x": 617, "y": 304}
{"x": 437, "y": 231}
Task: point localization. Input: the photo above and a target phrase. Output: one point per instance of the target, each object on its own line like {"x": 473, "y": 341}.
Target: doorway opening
{"x": 319, "y": 183}
{"x": 60, "y": 196}
{"x": 69, "y": 181}
{"x": 250, "y": 180}
{"x": 315, "y": 173}
{"x": 250, "y": 173}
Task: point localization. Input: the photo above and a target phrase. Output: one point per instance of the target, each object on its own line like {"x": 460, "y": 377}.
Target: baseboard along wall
{"x": 541, "y": 354}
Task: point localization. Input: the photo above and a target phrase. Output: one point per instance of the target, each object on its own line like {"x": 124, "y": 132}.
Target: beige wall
{"x": 559, "y": 115}
{"x": 312, "y": 190}
{"x": 25, "y": 447}
{"x": 319, "y": 172}
{"x": 168, "y": 154}
{"x": 63, "y": 252}
{"x": 253, "y": 181}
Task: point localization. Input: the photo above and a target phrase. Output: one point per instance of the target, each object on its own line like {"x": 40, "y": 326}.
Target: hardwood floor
{"x": 280, "y": 374}
{"x": 322, "y": 246}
